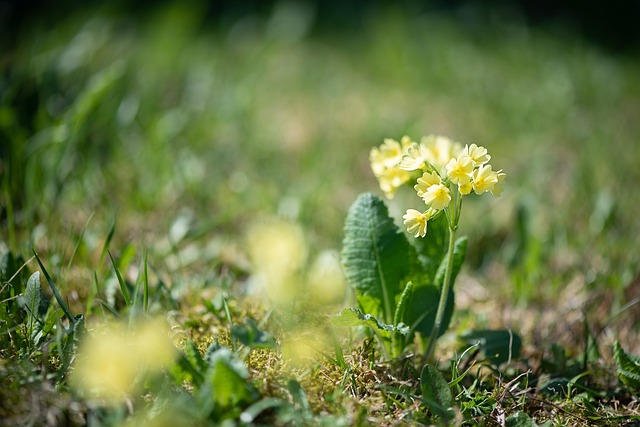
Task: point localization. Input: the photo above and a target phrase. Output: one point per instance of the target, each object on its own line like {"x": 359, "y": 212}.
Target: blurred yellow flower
{"x": 484, "y": 179}
{"x": 459, "y": 169}
{"x": 497, "y": 188}
{"x": 416, "y": 222}
{"x": 302, "y": 348}
{"x": 388, "y": 155}
{"x": 385, "y": 161}
{"x": 437, "y": 196}
{"x": 327, "y": 283}
{"x": 278, "y": 251}
{"x": 392, "y": 179}
{"x": 112, "y": 360}
{"x": 438, "y": 150}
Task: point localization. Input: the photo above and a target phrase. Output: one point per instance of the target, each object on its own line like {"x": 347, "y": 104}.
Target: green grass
{"x": 137, "y": 157}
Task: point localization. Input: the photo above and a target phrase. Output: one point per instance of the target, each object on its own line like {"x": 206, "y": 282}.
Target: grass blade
{"x": 54, "y": 289}
{"x": 123, "y": 286}
{"x": 107, "y": 242}
{"x": 145, "y": 291}
{"x": 77, "y": 247}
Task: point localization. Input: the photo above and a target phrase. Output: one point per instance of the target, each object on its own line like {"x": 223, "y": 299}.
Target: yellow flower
{"x": 388, "y": 155}
{"x": 111, "y": 361}
{"x": 326, "y": 279}
{"x": 438, "y": 150}
{"x": 384, "y": 164}
{"x": 425, "y": 181}
{"x": 459, "y": 169}
{"x": 465, "y": 189}
{"x": 416, "y": 222}
{"x": 477, "y": 154}
{"x": 497, "y": 188}
{"x": 484, "y": 179}
{"x": 437, "y": 196}
{"x": 277, "y": 251}
{"x": 391, "y": 180}
{"x": 413, "y": 159}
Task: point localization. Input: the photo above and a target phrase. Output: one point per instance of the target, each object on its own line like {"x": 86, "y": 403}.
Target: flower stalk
{"x": 444, "y": 294}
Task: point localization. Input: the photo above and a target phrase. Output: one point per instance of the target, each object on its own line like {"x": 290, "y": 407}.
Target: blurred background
{"x": 194, "y": 119}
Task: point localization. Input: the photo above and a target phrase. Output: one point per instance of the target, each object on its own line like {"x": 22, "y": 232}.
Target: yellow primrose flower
{"x": 437, "y": 196}
{"x": 111, "y": 361}
{"x": 458, "y": 170}
{"x": 484, "y": 179}
{"x": 466, "y": 188}
{"x": 391, "y": 180}
{"x": 416, "y": 222}
{"x": 277, "y": 251}
{"x": 438, "y": 150}
{"x": 413, "y": 159}
{"x": 477, "y": 154}
{"x": 497, "y": 188}
{"x": 425, "y": 181}
{"x": 406, "y": 142}
{"x": 388, "y": 155}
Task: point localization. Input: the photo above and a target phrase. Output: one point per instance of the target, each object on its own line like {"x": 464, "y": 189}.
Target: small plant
{"x": 405, "y": 288}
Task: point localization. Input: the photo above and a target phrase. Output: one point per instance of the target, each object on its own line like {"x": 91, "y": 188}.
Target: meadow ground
{"x": 155, "y": 166}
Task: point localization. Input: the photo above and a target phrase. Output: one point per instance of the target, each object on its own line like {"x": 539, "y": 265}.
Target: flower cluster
{"x": 441, "y": 170}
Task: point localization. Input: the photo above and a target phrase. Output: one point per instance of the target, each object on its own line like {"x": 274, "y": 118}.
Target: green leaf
{"x": 406, "y": 295}
{"x": 32, "y": 300}
{"x": 628, "y": 367}
{"x": 436, "y": 393}
{"x": 297, "y": 394}
{"x": 520, "y": 419}
{"x": 498, "y": 345}
{"x": 376, "y": 256}
{"x": 226, "y": 386}
{"x": 420, "y": 310}
{"x": 397, "y": 340}
{"x": 250, "y": 335}
{"x": 253, "y": 411}
{"x": 192, "y": 354}
{"x": 350, "y": 317}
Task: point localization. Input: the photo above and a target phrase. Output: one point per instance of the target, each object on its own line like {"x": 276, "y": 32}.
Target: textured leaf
{"x": 32, "y": 300}
{"x": 405, "y": 297}
{"x": 350, "y": 317}
{"x": 376, "y": 256}
{"x": 32, "y": 295}
{"x": 435, "y": 391}
{"x": 497, "y": 345}
{"x": 628, "y": 367}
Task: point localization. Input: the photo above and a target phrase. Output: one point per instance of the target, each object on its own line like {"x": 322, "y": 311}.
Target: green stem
{"x": 444, "y": 293}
